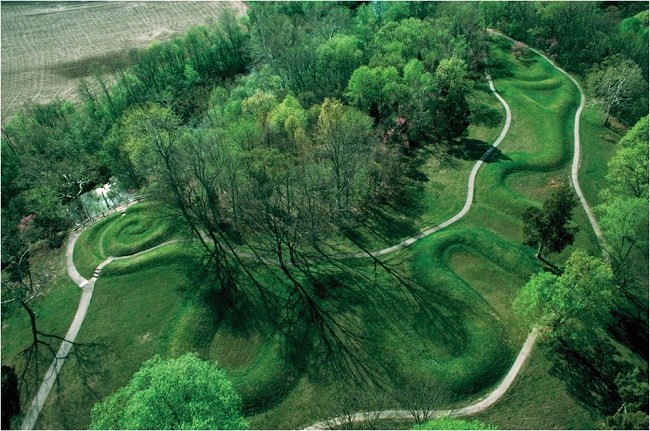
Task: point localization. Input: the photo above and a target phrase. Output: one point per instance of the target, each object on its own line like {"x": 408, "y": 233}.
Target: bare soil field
{"x": 47, "y": 46}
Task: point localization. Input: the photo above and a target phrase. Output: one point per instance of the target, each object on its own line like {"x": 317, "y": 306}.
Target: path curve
{"x": 464, "y": 411}
{"x": 470, "y": 190}
{"x": 530, "y": 341}
{"x": 87, "y": 287}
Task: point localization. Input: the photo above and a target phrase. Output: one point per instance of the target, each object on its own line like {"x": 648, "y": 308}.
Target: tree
{"x": 550, "y": 227}
{"x": 181, "y": 393}
{"x": 579, "y": 300}
{"x": 343, "y": 133}
{"x": 10, "y": 396}
{"x": 452, "y": 113}
{"x": 628, "y": 169}
{"x": 617, "y": 85}
{"x": 372, "y": 89}
{"x": 633, "y": 390}
{"x": 624, "y": 222}
{"x": 336, "y": 59}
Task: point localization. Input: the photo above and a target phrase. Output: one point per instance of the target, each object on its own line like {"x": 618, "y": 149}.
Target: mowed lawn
{"x": 48, "y": 46}
{"x": 457, "y": 330}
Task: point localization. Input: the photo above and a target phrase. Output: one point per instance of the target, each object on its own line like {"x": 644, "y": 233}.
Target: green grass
{"x": 538, "y": 400}
{"x": 599, "y": 145}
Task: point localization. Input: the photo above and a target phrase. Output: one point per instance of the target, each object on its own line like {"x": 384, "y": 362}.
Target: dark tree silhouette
{"x": 550, "y": 228}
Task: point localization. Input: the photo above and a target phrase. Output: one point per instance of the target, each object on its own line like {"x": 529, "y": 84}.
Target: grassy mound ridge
{"x": 141, "y": 227}
{"x": 87, "y": 251}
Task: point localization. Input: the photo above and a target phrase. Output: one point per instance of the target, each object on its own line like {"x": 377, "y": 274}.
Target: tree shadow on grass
{"x": 473, "y": 149}
{"x": 500, "y": 68}
{"x": 632, "y": 332}
{"x": 589, "y": 373}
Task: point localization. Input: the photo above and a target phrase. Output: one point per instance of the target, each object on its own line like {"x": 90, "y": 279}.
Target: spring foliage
{"x": 181, "y": 393}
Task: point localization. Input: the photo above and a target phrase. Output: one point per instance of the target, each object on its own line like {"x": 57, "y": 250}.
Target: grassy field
{"x": 48, "y": 46}
{"x": 456, "y": 329}
{"x": 54, "y": 308}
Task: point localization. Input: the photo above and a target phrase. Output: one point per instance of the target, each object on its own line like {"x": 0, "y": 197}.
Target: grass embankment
{"x": 457, "y": 329}
{"x": 141, "y": 227}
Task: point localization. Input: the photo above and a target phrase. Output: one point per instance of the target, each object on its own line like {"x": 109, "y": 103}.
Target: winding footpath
{"x": 498, "y": 392}
{"x": 87, "y": 287}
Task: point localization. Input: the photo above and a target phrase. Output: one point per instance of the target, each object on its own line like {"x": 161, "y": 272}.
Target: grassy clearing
{"x": 47, "y": 47}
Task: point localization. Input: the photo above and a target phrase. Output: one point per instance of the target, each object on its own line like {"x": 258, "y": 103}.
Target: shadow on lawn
{"x": 589, "y": 373}
{"x": 473, "y": 149}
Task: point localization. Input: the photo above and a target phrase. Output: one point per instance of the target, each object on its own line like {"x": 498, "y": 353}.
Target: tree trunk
{"x": 539, "y": 256}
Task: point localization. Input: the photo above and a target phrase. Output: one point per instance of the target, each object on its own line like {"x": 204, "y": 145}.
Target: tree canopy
{"x": 550, "y": 227}
{"x": 583, "y": 293}
{"x": 181, "y": 393}
{"x": 618, "y": 86}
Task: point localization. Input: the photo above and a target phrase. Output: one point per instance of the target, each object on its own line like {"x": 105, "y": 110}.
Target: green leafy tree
{"x": 336, "y": 59}
{"x": 550, "y": 228}
{"x": 633, "y": 391}
{"x": 181, "y": 393}
{"x": 373, "y": 89}
{"x": 418, "y": 89}
{"x": 624, "y": 222}
{"x": 343, "y": 134}
{"x": 617, "y": 86}
{"x": 580, "y": 298}
{"x": 628, "y": 170}
{"x": 631, "y": 39}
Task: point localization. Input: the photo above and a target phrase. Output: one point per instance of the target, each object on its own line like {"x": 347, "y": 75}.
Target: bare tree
{"x": 423, "y": 399}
